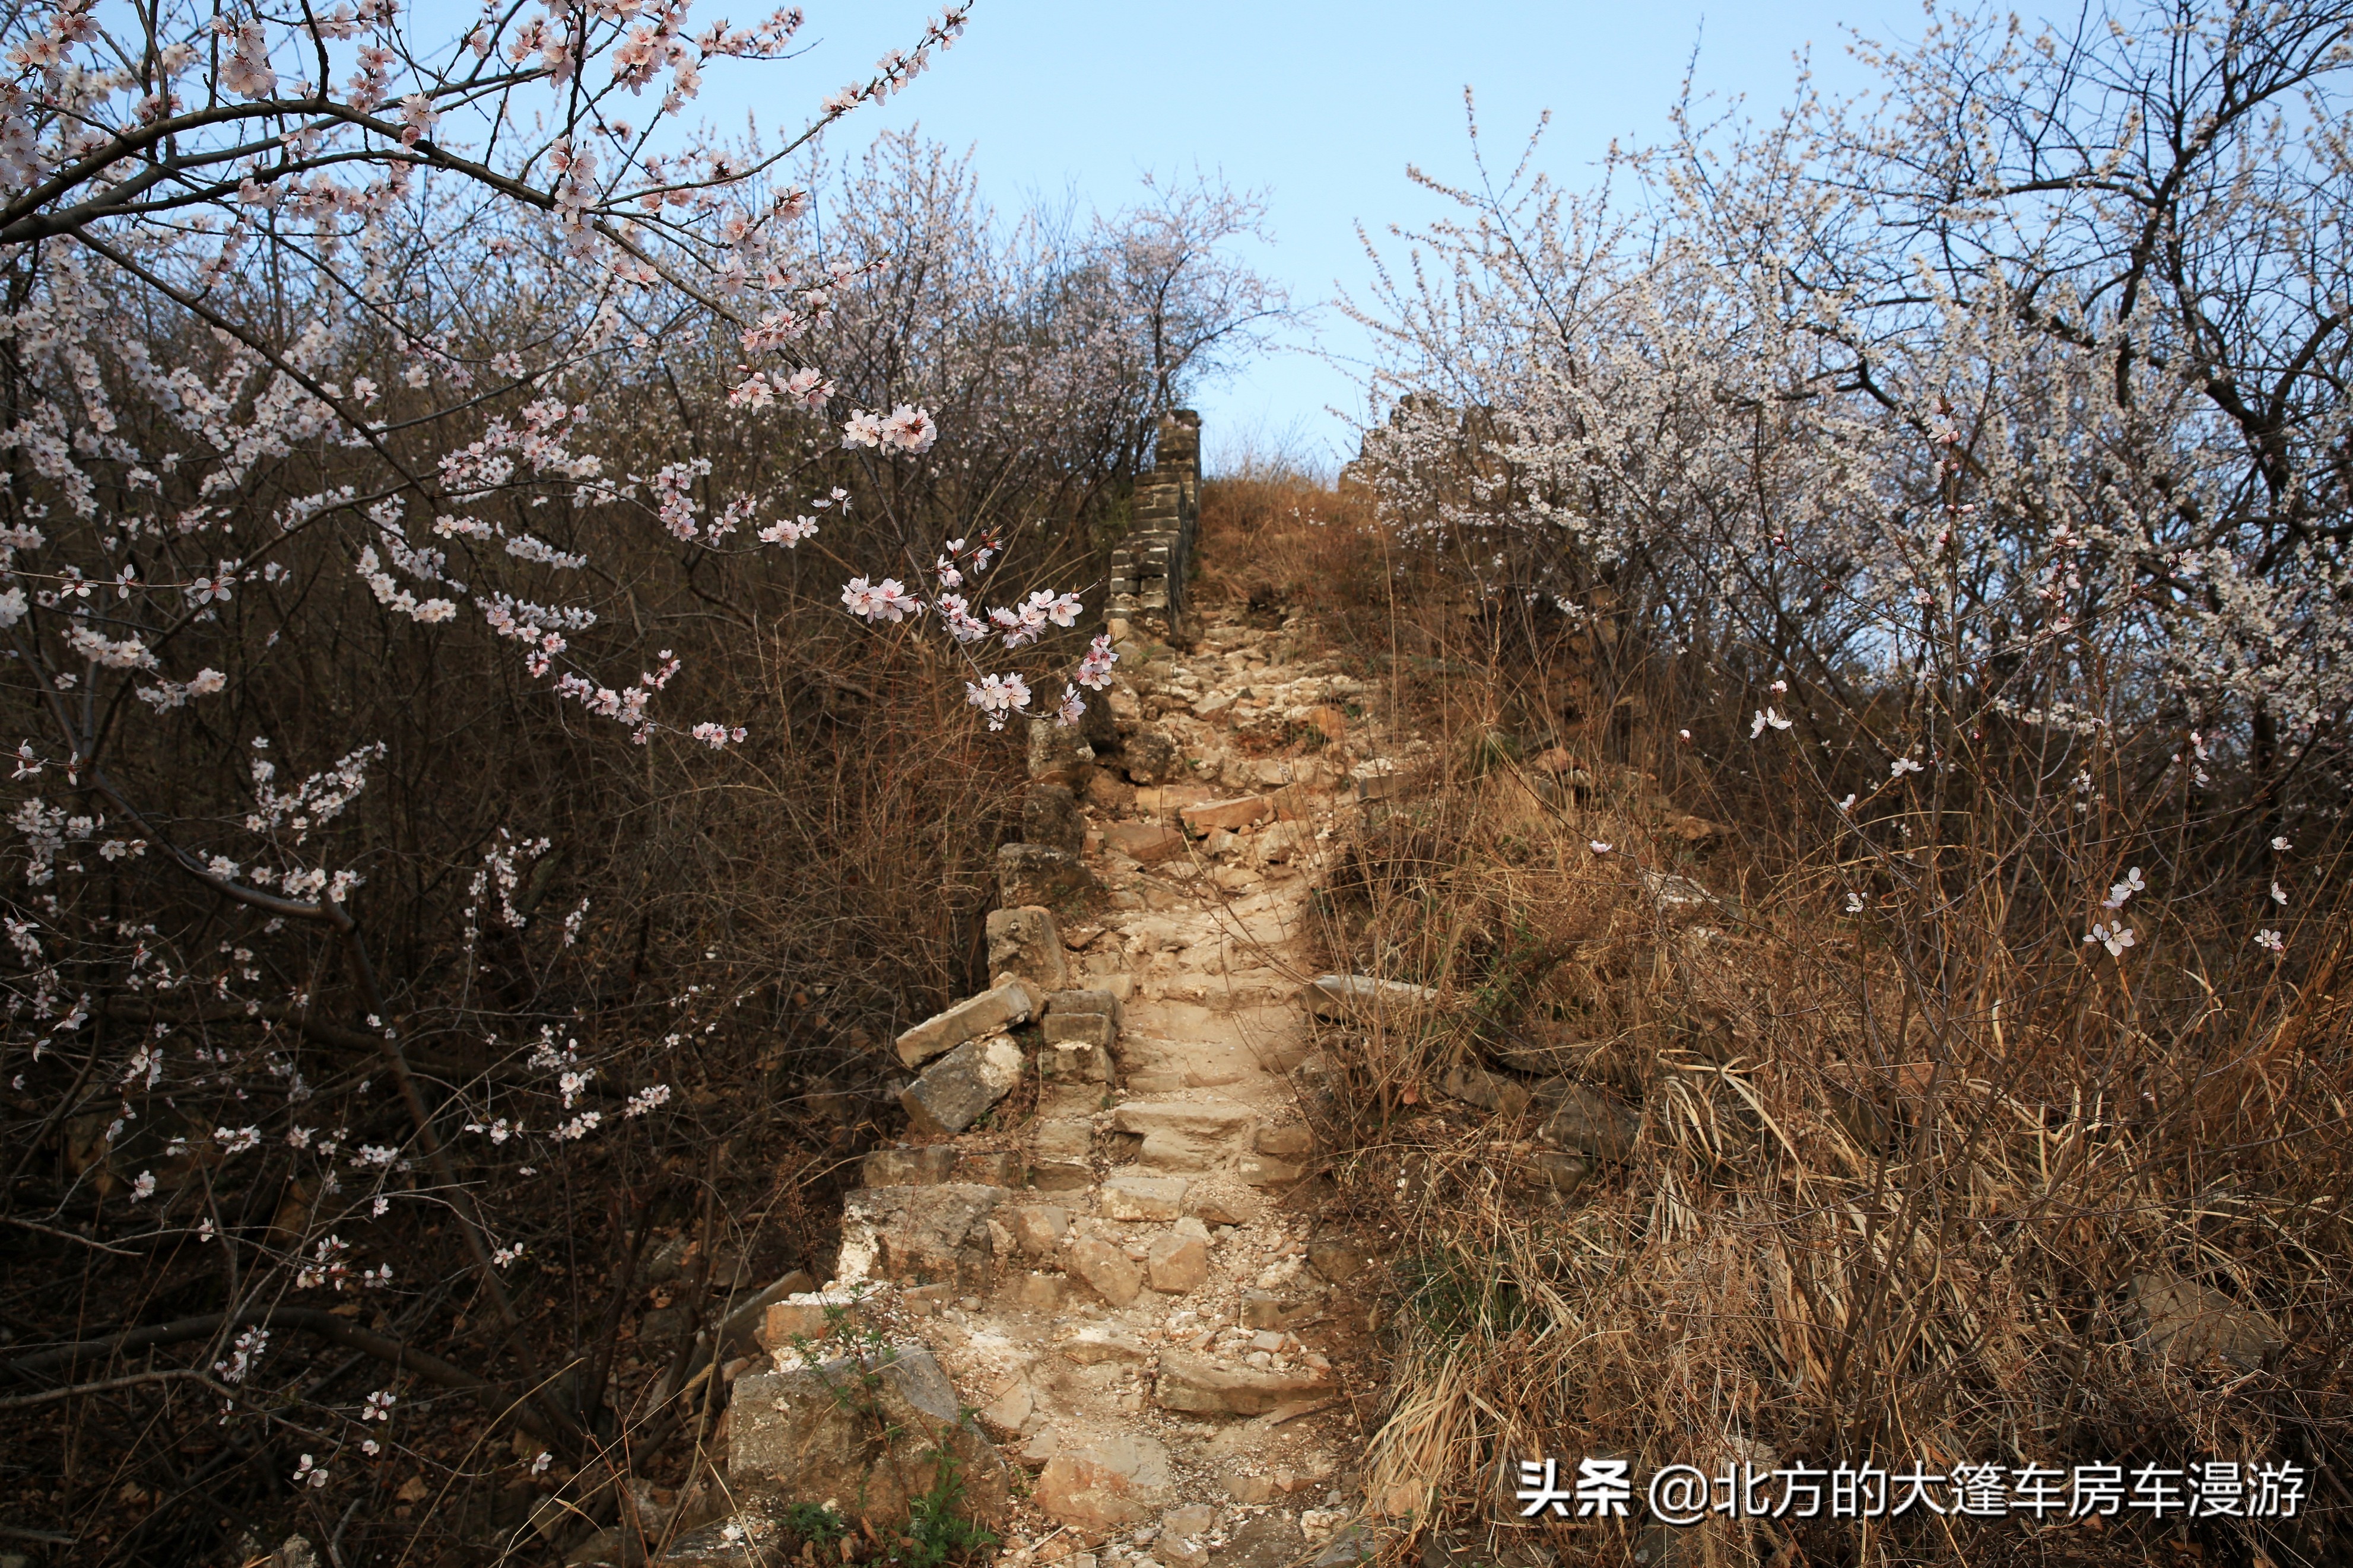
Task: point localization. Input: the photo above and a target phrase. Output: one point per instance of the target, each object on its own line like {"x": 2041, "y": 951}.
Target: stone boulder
{"x": 1588, "y": 1123}
{"x": 2180, "y": 1323}
{"x": 1149, "y": 757}
{"x": 1034, "y": 1230}
{"x": 1176, "y": 1261}
{"x": 963, "y": 1085}
{"x": 1026, "y": 945}
{"x": 867, "y": 1432}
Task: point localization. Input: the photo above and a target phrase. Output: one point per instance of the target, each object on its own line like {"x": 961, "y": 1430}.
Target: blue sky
{"x": 1320, "y": 105}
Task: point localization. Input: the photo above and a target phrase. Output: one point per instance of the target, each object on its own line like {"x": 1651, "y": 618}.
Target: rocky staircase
{"x": 1077, "y": 1272}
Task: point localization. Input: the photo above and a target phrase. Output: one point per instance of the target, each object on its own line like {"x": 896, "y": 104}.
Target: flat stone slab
{"x": 1199, "y": 1117}
{"x": 1353, "y": 997}
{"x": 1132, "y": 1194}
{"x": 1212, "y": 1388}
{"x": 1096, "y": 1344}
{"x": 1243, "y": 811}
{"x": 992, "y": 1012}
{"x": 1108, "y": 1271}
{"x": 1144, "y": 845}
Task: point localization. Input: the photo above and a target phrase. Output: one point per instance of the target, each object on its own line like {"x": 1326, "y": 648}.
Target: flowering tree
{"x": 2015, "y": 408}
{"x": 354, "y": 382}
{"x": 395, "y": 430}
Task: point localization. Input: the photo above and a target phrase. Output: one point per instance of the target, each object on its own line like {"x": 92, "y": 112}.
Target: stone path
{"x": 1108, "y": 1274}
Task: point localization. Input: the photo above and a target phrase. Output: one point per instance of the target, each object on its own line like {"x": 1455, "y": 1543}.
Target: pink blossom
{"x": 998, "y": 697}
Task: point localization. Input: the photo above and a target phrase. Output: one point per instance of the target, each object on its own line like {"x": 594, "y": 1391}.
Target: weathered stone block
{"x": 1114, "y": 1483}
{"x": 1144, "y": 844}
{"x": 1037, "y": 1229}
{"x": 920, "y": 1233}
{"x": 867, "y": 1432}
{"x": 811, "y": 1316}
{"x": 1080, "y": 1029}
{"x": 1060, "y": 1177}
{"x": 1025, "y": 944}
{"x": 959, "y": 1089}
{"x": 1062, "y": 1137}
{"x": 1083, "y": 1004}
{"x": 1177, "y": 1260}
{"x": 1132, "y": 1194}
{"x": 1149, "y": 757}
{"x": 908, "y": 1167}
{"x": 1107, "y": 1270}
{"x": 1266, "y": 1171}
{"x": 1034, "y": 873}
{"x": 1185, "y": 1135}
{"x": 992, "y": 1012}
{"x": 1075, "y": 1061}
{"x": 1058, "y": 754}
{"x": 1049, "y": 815}
{"x": 1289, "y": 1139}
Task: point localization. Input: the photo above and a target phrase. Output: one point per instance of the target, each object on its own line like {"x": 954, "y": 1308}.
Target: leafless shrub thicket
{"x": 425, "y": 1030}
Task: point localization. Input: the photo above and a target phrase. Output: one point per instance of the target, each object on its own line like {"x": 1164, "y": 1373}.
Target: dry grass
{"x": 1907, "y": 1180}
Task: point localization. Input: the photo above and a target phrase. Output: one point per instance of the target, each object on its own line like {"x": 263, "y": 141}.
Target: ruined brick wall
{"x": 1147, "y": 569}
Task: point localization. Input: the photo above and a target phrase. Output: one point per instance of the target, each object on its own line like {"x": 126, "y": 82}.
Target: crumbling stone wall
{"x": 1147, "y": 569}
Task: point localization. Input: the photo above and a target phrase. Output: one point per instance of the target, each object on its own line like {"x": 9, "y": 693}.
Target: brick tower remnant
{"x": 1147, "y": 569}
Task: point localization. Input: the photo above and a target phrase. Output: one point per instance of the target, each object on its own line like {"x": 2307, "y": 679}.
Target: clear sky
{"x": 1320, "y": 105}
